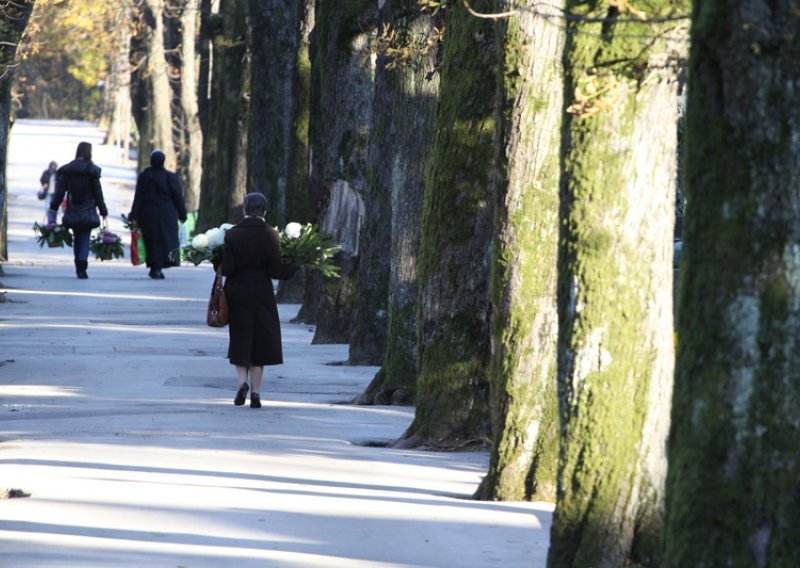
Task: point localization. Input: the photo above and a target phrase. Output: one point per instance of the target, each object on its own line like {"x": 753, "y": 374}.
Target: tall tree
{"x": 733, "y": 489}
{"x": 224, "y": 181}
{"x": 408, "y": 77}
{"x": 615, "y": 282}
{"x": 524, "y": 260}
{"x": 340, "y": 118}
{"x": 151, "y": 91}
{"x": 191, "y": 147}
{"x": 14, "y": 16}
{"x": 275, "y": 30}
{"x": 457, "y": 224}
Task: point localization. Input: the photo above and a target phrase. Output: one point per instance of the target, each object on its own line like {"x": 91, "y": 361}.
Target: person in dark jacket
{"x": 79, "y": 180}
{"x": 157, "y": 206}
{"x": 47, "y": 180}
{"x": 251, "y": 258}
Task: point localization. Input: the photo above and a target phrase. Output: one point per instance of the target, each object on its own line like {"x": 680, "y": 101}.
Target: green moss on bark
{"x": 523, "y": 291}
{"x": 733, "y": 496}
{"x": 614, "y": 292}
{"x": 453, "y": 380}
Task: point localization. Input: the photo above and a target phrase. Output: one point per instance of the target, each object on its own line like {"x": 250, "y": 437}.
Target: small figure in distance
{"x": 158, "y": 205}
{"x": 48, "y": 181}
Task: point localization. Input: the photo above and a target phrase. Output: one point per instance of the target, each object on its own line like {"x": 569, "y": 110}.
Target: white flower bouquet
{"x": 304, "y": 245}
{"x": 205, "y": 246}
{"x": 308, "y": 247}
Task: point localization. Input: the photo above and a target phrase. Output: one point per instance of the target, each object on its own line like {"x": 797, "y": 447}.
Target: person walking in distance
{"x": 79, "y": 181}
{"x": 157, "y": 206}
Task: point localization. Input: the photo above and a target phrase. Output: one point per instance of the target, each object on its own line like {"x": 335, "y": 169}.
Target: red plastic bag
{"x": 138, "y": 251}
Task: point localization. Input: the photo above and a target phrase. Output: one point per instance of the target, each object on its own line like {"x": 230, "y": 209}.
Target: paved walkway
{"x": 116, "y": 417}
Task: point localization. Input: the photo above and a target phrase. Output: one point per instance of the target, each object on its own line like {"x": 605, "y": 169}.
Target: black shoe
{"x": 241, "y": 395}
{"x": 156, "y": 274}
{"x": 80, "y": 269}
{"x": 255, "y": 400}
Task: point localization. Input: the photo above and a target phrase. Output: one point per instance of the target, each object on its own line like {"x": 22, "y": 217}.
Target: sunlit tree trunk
{"x": 403, "y": 128}
{"x": 191, "y": 155}
{"x": 118, "y": 85}
{"x": 523, "y": 288}
{"x": 14, "y": 18}
{"x": 615, "y": 284}
{"x": 458, "y": 218}
{"x": 733, "y": 489}
{"x": 150, "y": 79}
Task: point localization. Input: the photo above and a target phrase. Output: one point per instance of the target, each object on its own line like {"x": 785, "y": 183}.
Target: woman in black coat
{"x": 251, "y": 259}
{"x": 157, "y": 206}
{"x": 80, "y": 181}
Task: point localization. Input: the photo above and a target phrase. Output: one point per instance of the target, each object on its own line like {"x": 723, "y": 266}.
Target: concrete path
{"x": 116, "y": 416}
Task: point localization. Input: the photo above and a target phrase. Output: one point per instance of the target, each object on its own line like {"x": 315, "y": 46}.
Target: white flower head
{"x": 292, "y": 230}
{"x": 225, "y": 226}
{"x": 215, "y": 237}
{"x": 200, "y": 242}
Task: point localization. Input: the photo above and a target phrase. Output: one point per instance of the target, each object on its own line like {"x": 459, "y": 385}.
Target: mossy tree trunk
{"x": 523, "y": 287}
{"x": 275, "y": 32}
{"x": 14, "y": 18}
{"x": 458, "y": 219}
{"x": 405, "y": 128}
{"x": 733, "y": 489}
{"x": 615, "y": 285}
{"x": 340, "y": 119}
{"x": 224, "y": 179}
{"x": 152, "y": 94}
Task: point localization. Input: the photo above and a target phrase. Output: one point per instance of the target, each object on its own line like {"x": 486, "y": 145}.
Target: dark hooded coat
{"x": 80, "y": 179}
{"x": 251, "y": 259}
{"x": 157, "y": 206}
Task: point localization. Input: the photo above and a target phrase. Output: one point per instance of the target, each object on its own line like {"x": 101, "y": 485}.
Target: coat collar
{"x": 252, "y": 222}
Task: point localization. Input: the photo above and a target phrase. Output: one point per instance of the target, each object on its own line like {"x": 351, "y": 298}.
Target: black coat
{"x": 251, "y": 259}
{"x": 81, "y": 180}
{"x": 157, "y": 206}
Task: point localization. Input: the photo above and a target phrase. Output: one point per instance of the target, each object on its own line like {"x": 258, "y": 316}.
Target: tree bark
{"x": 341, "y": 109}
{"x": 118, "y": 85}
{"x": 733, "y": 489}
{"x": 404, "y": 131}
{"x": 523, "y": 288}
{"x": 453, "y": 326}
{"x": 224, "y": 180}
{"x": 298, "y": 201}
{"x": 615, "y": 286}
{"x": 275, "y": 30}
{"x": 191, "y": 156}
{"x": 14, "y": 18}
{"x": 153, "y": 97}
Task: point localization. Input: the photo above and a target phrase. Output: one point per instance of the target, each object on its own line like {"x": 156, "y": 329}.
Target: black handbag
{"x": 81, "y": 216}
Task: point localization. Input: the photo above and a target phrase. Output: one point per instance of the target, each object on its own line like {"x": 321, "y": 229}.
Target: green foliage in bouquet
{"x": 52, "y": 235}
{"x": 105, "y": 245}
{"x": 309, "y": 247}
